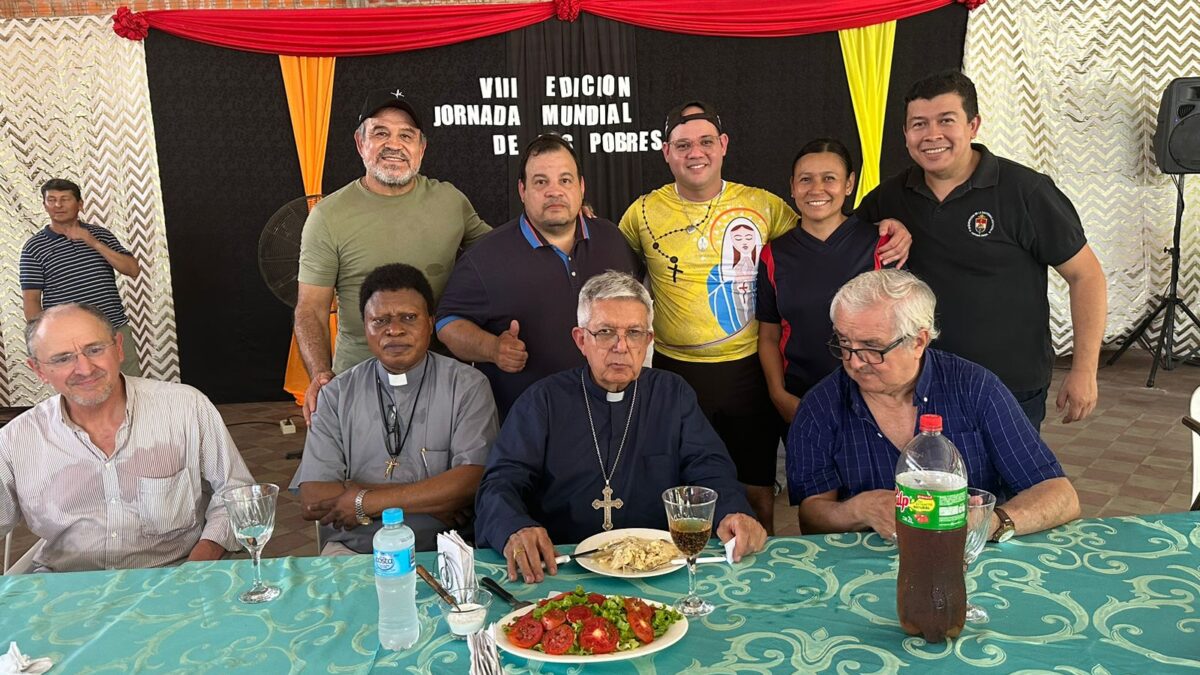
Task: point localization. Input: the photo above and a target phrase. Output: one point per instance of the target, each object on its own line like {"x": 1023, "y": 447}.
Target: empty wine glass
{"x": 980, "y": 504}
{"x": 251, "y": 510}
{"x": 689, "y": 515}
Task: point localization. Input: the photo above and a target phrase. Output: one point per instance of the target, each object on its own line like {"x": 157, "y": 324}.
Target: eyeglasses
{"x": 684, "y": 146}
{"x": 607, "y": 337}
{"x": 59, "y": 361}
{"x": 865, "y": 354}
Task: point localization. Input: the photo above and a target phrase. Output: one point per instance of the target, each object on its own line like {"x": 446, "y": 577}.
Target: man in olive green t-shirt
{"x": 392, "y": 214}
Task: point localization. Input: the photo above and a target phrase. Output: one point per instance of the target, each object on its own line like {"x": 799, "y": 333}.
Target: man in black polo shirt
{"x": 984, "y": 230}
{"x": 510, "y": 303}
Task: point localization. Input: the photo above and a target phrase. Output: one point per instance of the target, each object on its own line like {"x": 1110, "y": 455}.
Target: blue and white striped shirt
{"x": 65, "y": 270}
{"x": 835, "y": 444}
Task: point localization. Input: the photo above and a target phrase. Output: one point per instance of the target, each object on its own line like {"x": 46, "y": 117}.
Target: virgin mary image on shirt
{"x": 731, "y": 284}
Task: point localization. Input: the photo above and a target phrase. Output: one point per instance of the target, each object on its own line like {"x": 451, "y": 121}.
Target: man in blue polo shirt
{"x": 846, "y": 437}
{"x": 510, "y": 303}
{"x": 73, "y": 261}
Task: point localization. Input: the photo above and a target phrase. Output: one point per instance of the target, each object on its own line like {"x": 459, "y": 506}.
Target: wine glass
{"x": 689, "y": 515}
{"x": 980, "y": 504}
{"x": 251, "y": 510}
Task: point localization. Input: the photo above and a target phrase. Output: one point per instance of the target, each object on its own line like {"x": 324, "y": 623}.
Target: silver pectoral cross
{"x": 608, "y": 504}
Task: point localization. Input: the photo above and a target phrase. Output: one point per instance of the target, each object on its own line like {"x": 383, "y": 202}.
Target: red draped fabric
{"x": 359, "y": 32}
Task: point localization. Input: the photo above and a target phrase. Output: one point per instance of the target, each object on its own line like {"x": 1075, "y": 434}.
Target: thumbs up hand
{"x": 510, "y": 350}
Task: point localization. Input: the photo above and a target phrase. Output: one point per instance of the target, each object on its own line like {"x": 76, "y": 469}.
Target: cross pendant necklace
{"x": 608, "y": 503}
{"x": 393, "y": 440}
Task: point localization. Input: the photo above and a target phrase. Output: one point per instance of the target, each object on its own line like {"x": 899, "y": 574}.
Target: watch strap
{"x": 1007, "y": 527}
{"x": 359, "y": 513}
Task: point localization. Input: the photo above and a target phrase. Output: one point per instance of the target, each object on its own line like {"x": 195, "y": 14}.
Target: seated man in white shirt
{"x": 113, "y": 472}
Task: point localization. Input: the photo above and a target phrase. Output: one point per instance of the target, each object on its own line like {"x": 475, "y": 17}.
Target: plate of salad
{"x": 582, "y": 627}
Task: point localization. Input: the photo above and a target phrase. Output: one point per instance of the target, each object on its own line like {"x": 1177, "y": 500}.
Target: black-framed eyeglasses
{"x": 869, "y": 355}
{"x": 607, "y": 337}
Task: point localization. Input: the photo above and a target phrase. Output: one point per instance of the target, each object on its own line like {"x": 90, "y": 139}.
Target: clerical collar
{"x": 411, "y": 377}
{"x": 600, "y": 393}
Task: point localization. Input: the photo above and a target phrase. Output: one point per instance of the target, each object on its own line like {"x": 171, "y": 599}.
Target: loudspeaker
{"x": 1177, "y": 139}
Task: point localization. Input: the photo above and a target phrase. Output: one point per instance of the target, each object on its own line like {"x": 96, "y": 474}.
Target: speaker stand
{"x": 1164, "y": 350}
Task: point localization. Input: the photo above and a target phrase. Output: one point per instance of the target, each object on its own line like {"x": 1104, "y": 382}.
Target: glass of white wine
{"x": 251, "y": 510}
{"x": 690, "y": 515}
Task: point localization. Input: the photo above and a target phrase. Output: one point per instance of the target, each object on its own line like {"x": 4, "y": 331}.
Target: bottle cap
{"x": 929, "y": 423}
{"x": 393, "y": 516}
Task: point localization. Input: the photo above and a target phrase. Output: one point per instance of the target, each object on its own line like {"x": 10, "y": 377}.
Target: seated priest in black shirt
{"x": 593, "y": 448}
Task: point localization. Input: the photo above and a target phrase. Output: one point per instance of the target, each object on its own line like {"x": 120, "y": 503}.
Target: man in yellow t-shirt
{"x": 701, "y": 238}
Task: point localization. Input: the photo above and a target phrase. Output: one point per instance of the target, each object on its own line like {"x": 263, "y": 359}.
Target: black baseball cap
{"x": 379, "y": 99}
{"x": 676, "y": 116}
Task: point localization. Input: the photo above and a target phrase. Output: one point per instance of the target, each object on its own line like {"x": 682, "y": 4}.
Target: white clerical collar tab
{"x": 397, "y": 380}
{"x": 614, "y": 396}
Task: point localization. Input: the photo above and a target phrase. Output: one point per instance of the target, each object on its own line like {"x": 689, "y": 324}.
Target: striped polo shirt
{"x": 65, "y": 270}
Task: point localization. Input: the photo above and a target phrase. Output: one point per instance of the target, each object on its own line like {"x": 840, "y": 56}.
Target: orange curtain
{"x": 308, "y": 81}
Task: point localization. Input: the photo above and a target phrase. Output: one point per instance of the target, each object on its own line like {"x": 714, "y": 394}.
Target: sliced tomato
{"x": 525, "y": 632}
{"x": 579, "y": 613}
{"x": 598, "y": 635}
{"x": 634, "y": 606}
{"x": 553, "y": 619}
{"x": 559, "y": 640}
{"x": 596, "y": 598}
{"x": 643, "y": 630}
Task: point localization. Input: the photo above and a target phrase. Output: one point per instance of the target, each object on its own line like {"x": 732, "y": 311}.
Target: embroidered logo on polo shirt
{"x": 981, "y": 224}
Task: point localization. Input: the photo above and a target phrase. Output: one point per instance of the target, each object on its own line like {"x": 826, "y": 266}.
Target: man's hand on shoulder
{"x": 310, "y": 394}
{"x": 751, "y": 537}
{"x": 899, "y": 241}
{"x": 1078, "y": 395}
{"x": 525, "y": 552}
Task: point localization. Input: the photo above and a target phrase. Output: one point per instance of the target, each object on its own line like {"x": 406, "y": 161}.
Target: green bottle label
{"x": 926, "y": 509}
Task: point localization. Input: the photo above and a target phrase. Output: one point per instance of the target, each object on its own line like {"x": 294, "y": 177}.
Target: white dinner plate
{"x": 673, "y": 635}
{"x": 598, "y": 540}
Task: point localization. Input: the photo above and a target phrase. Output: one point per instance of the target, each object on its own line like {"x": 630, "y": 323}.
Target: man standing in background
{"x": 392, "y": 214}
{"x": 73, "y": 261}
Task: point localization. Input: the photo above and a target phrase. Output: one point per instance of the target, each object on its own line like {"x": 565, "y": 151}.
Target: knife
{"x": 504, "y": 595}
{"x": 590, "y": 551}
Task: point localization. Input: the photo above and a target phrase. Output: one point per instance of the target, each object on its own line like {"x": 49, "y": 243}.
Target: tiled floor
{"x": 1131, "y": 456}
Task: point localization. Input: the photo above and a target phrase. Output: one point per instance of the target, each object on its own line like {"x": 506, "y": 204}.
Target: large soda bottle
{"x": 931, "y": 530}
{"x": 395, "y": 582}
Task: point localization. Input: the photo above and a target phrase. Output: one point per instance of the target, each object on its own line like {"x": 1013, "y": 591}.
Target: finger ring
{"x": 518, "y": 552}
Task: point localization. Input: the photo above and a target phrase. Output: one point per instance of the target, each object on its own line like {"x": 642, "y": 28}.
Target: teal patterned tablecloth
{"x": 1119, "y": 595}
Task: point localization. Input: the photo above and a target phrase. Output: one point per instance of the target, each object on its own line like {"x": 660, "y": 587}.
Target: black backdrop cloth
{"x": 227, "y": 157}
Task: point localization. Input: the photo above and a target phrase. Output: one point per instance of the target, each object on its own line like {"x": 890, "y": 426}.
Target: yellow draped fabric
{"x": 308, "y": 81}
{"x": 867, "y": 53}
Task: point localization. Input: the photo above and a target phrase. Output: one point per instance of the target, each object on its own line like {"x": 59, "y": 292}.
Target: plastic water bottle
{"x": 931, "y": 527}
{"x": 395, "y": 582}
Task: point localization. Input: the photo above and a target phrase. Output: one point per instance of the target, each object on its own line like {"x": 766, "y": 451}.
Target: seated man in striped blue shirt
{"x": 847, "y": 434}
{"x": 73, "y": 261}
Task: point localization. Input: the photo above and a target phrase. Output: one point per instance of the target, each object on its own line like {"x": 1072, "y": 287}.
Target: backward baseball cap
{"x": 378, "y": 99}
{"x": 676, "y": 116}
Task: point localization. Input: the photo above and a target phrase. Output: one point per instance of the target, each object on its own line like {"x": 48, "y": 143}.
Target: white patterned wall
{"x": 1072, "y": 88}
{"x": 74, "y": 103}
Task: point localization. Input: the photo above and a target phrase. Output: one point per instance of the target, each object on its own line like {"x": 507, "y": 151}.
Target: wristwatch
{"x": 363, "y": 518}
{"x": 1006, "y": 530}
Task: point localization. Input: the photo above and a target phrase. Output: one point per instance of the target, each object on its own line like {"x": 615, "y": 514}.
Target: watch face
{"x": 1005, "y": 534}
